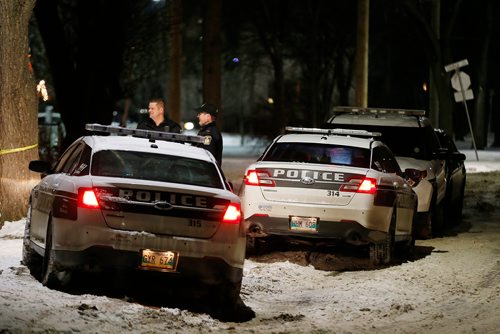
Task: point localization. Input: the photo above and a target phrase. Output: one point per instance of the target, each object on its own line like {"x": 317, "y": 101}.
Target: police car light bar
{"x": 379, "y": 111}
{"x": 150, "y": 134}
{"x": 342, "y": 132}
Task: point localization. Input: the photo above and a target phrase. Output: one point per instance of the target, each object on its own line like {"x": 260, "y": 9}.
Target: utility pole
{"x": 433, "y": 72}
{"x": 361, "y": 65}
{"x": 175, "y": 59}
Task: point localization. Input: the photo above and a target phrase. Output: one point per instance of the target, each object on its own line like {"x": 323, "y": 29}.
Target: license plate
{"x": 309, "y": 224}
{"x": 166, "y": 261}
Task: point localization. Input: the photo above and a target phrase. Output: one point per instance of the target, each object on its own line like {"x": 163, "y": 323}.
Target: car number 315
{"x": 335, "y": 193}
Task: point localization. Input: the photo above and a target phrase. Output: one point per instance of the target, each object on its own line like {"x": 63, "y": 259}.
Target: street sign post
{"x": 460, "y": 81}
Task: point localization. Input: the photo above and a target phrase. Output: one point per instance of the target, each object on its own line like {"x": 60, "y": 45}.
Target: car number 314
{"x": 335, "y": 193}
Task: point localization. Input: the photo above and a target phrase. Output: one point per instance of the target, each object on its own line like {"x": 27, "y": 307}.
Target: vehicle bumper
{"x": 207, "y": 270}
{"x": 96, "y": 247}
{"x": 349, "y": 231}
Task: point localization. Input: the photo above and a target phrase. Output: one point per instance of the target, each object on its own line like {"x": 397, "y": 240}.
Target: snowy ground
{"x": 452, "y": 287}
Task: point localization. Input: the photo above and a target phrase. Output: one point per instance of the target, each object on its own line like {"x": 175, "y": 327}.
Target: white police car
{"x": 322, "y": 185}
{"x": 411, "y": 137}
{"x": 126, "y": 203}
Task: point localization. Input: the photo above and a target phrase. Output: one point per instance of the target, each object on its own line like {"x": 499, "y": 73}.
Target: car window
{"x": 81, "y": 165}
{"x": 66, "y": 159}
{"x": 384, "y": 161}
{"x": 414, "y": 142}
{"x": 155, "y": 167}
{"x": 319, "y": 153}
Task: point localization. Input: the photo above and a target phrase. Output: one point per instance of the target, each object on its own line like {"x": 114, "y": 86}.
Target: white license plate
{"x": 309, "y": 224}
{"x": 157, "y": 260}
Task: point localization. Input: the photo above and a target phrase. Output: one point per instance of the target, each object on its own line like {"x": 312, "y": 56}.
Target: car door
{"x": 45, "y": 194}
{"x": 384, "y": 160}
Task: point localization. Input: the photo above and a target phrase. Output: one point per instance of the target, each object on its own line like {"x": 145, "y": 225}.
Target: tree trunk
{"x": 481, "y": 121}
{"x": 175, "y": 60}
{"x": 212, "y": 54}
{"x": 361, "y": 71}
{"x": 18, "y": 110}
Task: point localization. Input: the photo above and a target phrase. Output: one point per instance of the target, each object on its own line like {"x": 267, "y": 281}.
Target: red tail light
{"x": 368, "y": 186}
{"x": 232, "y": 214}
{"x": 258, "y": 178}
{"x": 360, "y": 185}
{"x": 87, "y": 198}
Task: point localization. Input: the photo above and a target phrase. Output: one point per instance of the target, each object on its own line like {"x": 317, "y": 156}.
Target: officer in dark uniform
{"x": 158, "y": 119}
{"x": 207, "y": 115}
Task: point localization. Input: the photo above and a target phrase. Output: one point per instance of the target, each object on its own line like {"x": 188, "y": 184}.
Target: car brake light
{"x": 232, "y": 214}
{"x": 87, "y": 198}
{"x": 258, "y": 178}
{"x": 368, "y": 186}
{"x": 365, "y": 185}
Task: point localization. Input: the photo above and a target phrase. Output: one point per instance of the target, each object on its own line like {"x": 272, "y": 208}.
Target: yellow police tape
{"x": 20, "y": 149}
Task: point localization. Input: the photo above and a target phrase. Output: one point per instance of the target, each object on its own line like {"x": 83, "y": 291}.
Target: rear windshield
{"x": 413, "y": 142}
{"x": 155, "y": 167}
{"x": 319, "y": 153}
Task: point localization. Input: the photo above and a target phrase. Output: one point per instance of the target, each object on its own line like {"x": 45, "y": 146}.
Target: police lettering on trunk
{"x": 314, "y": 174}
{"x": 171, "y": 198}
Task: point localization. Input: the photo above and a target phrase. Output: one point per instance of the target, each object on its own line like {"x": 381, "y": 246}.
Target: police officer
{"x": 158, "y": 119}
{"x": 207, "y": 115}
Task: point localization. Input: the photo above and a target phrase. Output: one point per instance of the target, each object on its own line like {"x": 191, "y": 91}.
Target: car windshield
{"x": 319, "y": 153}
{"x": 155, "y": 167}
{"x": 413, "y": 142}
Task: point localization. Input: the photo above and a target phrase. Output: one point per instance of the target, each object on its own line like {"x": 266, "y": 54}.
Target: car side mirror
{"x": 40, "y": 166}
{"x": 415, "y": 176}
{"x": 458, "y": 156}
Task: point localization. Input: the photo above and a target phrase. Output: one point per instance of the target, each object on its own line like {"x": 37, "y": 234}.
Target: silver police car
{"x": 139, "y": 200}
{"x": 317, "y": 185}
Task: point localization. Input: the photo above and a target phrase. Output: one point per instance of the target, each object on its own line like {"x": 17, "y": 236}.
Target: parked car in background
{"x": 455, "y": 176}
{"x": 411, "y": 137}
{"x": 319, "y": 185}
{"x": 146, "y": 202}
{"x": 51, "y": 132}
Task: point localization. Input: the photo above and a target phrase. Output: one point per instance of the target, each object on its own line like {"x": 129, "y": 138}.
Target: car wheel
{"x": 382, "y": 252}
{"x": 30, "y": 257}
{"x": 226, "y": 300}
{"x": 458, "y": 206}
{"x": 51, "y": 277}
{"x": 437, "y": 220}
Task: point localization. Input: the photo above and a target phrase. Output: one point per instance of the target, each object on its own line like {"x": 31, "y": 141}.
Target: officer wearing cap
{"x": 207, "y": 115}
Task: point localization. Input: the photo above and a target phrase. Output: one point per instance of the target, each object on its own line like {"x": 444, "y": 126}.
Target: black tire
{"x": 226, "y": 301}
{"x": 437, "y": 220}
{"x": 383, "y": 252}
{"x": 30, "y": 257}
{"x": 458, "y": 207}
{"x": 51, "y": 276}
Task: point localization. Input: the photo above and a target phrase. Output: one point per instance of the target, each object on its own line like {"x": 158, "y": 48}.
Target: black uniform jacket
{"x": 213, "y": 140}
{"x": 167, "y": 125}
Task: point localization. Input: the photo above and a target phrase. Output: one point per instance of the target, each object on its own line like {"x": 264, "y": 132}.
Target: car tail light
{"x": 232, "y": 214}
{"x": 360, "y": 185}
{"x": 258, "y": 178}
{"x": 87, "y": 198}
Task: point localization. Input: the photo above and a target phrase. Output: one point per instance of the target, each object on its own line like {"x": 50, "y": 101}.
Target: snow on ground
{"x": 452, "y": 287}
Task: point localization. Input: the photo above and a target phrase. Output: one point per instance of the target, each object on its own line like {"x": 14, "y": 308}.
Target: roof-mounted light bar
{"x": 150, "y": 134}
{"x": 379, "y": 111}
{"x": 340, "y": 132}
